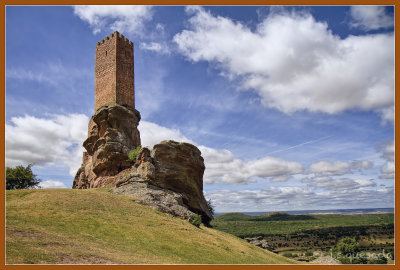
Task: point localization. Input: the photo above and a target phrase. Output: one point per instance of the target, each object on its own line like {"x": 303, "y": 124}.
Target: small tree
{"x": 348, "y": 252}
{"x": 347, "y": 245}
{"x": 21, "y": 177}
{"x": 210, "y": 207}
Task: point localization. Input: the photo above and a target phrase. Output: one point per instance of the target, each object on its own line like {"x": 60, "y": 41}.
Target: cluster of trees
{"x": 347, "y": 251}
{"x": 21, "y": 177}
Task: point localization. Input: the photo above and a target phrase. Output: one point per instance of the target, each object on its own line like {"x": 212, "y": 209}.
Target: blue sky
{"x": 292, "y": 107}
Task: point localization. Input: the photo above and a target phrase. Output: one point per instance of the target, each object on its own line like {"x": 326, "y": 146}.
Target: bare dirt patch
{"x": 66, "y": 259}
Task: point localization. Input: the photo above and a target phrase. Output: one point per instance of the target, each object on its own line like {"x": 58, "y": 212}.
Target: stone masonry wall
{"x": 105, "y": 70}
{"x": 125, "y": 73}
{"x": 114, "y": 75}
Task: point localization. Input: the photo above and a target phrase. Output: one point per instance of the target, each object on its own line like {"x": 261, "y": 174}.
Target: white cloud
{"x": 361, "y": 164}
{"x": 324, "y": 167}
{"x": 52, "y": 184}
{"x": 223, "y": 167}
{"x": 327, "y": 182}
{"x": 295, "y": 198}
{"x": 387, "y": 153}
{"x": 338, "y": 167}
{"x": 50, "y": 140}
{"x": 387, "y": 170}
{"x": 272, "y": 166}
{"x": 155, "y": 47}
{"x": 126, "y": 19}
{"x": 292, "y": 61}
{"x": 387, "y": 150}
{"x": 370, "y": 17}
{"x": 280, "y": 178}
{"x": 151, "y": 134}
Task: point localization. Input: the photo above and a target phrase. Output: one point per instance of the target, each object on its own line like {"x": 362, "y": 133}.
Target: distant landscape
{"x": 330, "y": 211}
{"x": 308, "y": 236}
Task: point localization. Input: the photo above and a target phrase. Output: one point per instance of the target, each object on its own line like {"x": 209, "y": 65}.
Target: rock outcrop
{"x": 163, "y": 200}
{"x": 168, "y": 178}
{"x": 112, "y": 134}
{"x": 174, "y": 167}
{"x": 259, "y": 241}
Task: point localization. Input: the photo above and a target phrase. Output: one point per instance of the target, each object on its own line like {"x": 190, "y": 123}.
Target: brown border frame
{"x": 194, "y": 2}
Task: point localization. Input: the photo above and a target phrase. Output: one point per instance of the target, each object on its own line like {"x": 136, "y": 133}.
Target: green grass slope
{"x": 67, "y": 226}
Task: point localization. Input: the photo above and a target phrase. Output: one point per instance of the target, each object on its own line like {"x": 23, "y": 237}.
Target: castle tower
{"x": 114, "y": 72}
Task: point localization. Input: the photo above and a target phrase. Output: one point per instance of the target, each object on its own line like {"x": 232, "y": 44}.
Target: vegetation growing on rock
{"x": 133, "y": 154}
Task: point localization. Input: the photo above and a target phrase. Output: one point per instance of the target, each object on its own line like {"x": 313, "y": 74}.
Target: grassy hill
{"x": 67, "y": 226}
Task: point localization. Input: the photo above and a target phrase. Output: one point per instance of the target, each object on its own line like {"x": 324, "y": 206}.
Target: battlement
{"x": 116, "y": 34}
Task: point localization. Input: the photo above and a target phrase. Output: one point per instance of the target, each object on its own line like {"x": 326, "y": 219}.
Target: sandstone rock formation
{"x": 174, "y": 167}
{"x": 168, "y": 178}
{"x": 112, "y": 134}
{"x": 163, "y": 200}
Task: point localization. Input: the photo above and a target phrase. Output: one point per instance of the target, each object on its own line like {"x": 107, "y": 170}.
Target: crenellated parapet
{"x": 114, "y": 35}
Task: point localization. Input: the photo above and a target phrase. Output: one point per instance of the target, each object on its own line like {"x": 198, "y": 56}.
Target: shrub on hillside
{"x": 195, "y": 220}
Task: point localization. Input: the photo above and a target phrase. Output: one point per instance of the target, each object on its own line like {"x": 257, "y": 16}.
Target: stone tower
{"x": 169, "y": 178}
{"x": 112, "y": 130}
{"x": 114, "y": 72}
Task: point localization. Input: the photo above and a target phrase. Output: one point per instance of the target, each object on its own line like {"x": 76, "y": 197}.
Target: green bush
{"x": 195, "y": 220}
{"x": 309, "y": 253}
{"x": 347, "y": 245}
{"x": 289, "y": 255}
{"x": 132, "y": 155}
{"x": 21, "y": 177}
{"x": 379, "y": 260}
{"x": 348, "y": 252}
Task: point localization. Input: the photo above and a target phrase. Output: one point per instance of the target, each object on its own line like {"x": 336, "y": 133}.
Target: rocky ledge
{"x": 259, "y": 241}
